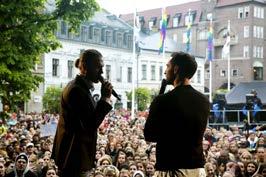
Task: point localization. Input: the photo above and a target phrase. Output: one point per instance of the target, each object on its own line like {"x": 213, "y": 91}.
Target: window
{"x": 246, "y": 51}
{"x": 84, "y": 33}
{"x": 152, "y": 22}
{"x": 240, "y": 12}
{"x": 150, "y": 25}
{"x": 144, "y": 72}
{"x": 90, "y": 32}
{"x": 119, "y": 74}
{"x": 207, "y": 74}
{"x": 223, "y": 73}
{"x": 246, "y": 31}
{"x": 108, "y": 72}
{"x": 129, "y": 41}
{"x": 108, "y": 38}
{"x": 125, "y": 39}
{"x": 55, "y": 66}
{"x": 258, "y": 52}
{"x": 129, "y": 74}
{"x": 259, "y": 12}
{"x": 234, "y": 72}
{"x": 246, "y": 12}
{"x": 203, "y": 35}
{"x": 114, "y": 37}
{"x": 152, "y": 72}
{"x": 258, "y": 32}
{"x": 119, "y": 40}
{"x": 198, "y": 76}
{"x": 188, "y": 19}
{"x": 70, "y": 68}
{"x": 102, "y": 34}
{"x": 161, "y": 72}
{"x": 63, "y": 28}
{"x": 175, "y": 21}
{"x": 96, "y": 35}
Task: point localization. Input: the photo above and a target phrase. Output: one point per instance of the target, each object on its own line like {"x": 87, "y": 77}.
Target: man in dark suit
{"x": 75, "y": 140}
{"x": 177, "y": 120}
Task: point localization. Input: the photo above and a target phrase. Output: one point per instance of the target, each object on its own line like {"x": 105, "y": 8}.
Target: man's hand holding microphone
{"x": 107, "y": 90}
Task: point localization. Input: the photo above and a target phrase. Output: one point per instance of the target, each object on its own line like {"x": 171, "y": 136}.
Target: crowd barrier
{"x": 237, "y": 117}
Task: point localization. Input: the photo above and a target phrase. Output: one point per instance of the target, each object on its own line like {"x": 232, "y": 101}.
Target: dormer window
{"x": 176, "y": 19}
{"x": 167, "y": 21}
{"x": 190, "y": 17}
{"x": 152, "y": 22}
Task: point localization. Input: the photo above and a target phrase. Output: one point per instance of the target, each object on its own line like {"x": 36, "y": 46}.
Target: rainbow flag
{"x": 189, "y": 24}
{"x": 163, "y": 30}
{"x": 210, "y": 43}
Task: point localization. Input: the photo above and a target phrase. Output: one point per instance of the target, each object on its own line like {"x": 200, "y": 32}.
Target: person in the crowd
{"x": 50, "y": 172}
{"x": 251, "y": 168}
{"x": 2, "y": 169}
{"x": 174, "y": 113}
{"x": 209, "y": 170}
{"x": 21, "y": 168}
{"x": 76, "y": 136}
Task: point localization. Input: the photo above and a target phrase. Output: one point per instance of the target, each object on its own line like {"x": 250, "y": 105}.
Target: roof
{"x": 222, "y": 3}
{"x": 170, "y": 10}
{"x": 103, "y": 17}
{"x": 238, "y": 94}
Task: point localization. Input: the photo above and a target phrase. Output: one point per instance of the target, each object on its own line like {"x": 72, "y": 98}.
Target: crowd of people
{"x": 122, "y": 151}
{"x": 92, "y": 139}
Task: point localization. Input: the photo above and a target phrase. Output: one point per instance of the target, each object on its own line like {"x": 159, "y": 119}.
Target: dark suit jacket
{"x": 177, "y": 121}
{"x": 75, "y": 140}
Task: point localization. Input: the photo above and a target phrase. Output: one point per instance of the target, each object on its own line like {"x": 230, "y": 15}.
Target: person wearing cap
{"x": 74, "y": 144}
{"x": 21, "y": 168}
{"x": 172, "y": 114}
{"x": 30, "y": 149}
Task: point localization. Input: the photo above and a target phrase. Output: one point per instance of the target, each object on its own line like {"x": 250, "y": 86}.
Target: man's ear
{"x": 176, "y": 69}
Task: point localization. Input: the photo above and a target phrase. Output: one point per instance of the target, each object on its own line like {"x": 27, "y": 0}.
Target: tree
{"x": 143, "y": 97}
{"x": 51, "y": 99}
{"x": 27, "y": 30}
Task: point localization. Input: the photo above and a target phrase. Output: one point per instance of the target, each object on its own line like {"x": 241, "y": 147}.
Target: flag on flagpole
{"x": 210, "y": 42}
{"x": 189, "y": 23}
{"x": 226, "y": 47}
{"x": 163, "y": 30}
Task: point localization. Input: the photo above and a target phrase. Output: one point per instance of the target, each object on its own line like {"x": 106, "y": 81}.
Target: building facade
{"x": 114, "y": 39}
{"x": 247, "y": 44}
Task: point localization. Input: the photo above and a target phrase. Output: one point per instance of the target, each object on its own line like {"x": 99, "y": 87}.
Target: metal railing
{"x": 240, "y": 117}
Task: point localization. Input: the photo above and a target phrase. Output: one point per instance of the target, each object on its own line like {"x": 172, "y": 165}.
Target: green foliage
{"x": 143, "y": 97}
{"x": 51, "y": 99}
{"x": 27, "y": 31}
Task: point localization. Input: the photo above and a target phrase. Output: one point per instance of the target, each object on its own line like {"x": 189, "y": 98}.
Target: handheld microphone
{"x": 163, "y": 86}
{"x": 102, "y": 80}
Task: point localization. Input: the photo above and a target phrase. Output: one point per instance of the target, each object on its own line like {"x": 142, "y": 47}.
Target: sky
{"x": 127, "y": 6}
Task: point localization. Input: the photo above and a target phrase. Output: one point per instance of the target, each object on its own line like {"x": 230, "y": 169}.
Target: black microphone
{"x": 163, "y": 86}
{"x": 102, "y": 80}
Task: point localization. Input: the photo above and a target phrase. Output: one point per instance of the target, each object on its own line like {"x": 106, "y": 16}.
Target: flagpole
{"x": 210, "y": 86}
{"x": 163, "y": 11}
{"x": 189, "y": 23}
{"x": 133, "y": 68}
{"x": 210, "y": 79}
{"x": 228, "y": 60}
